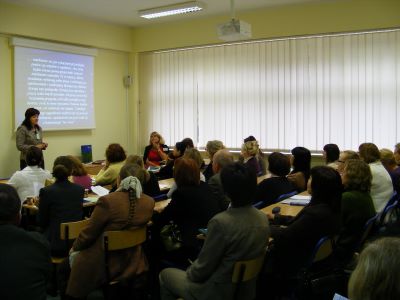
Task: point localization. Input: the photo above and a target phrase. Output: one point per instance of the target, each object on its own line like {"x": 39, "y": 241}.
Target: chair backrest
{"x": 262, "y": 204}
{"x": 71, "y": 230}
{"x": 323, "y": 249}
{"x": 384, "y": 218}
{"x": 122, "y": 239}
{"x": 367, "y": 230}
{"x": 246, "y": 270}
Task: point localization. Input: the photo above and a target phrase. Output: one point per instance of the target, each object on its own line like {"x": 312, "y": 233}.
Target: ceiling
{"x": 125, "y": 12}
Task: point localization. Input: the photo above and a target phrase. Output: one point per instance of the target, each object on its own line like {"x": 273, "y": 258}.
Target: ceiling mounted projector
{"x": 234, "y": 30}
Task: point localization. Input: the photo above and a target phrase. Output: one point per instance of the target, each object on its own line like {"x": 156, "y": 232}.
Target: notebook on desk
{"x": 297, "y": 200}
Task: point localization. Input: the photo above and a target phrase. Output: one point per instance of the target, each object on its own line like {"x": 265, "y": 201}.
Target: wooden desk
{"x": 166, "y": 184}
{"x": 93, "y": 169}
{"x": 286, "y": 209}
{"x": 160, "y": 205}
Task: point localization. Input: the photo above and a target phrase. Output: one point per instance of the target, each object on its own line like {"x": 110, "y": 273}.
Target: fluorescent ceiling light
{"x": 163, "y": 11}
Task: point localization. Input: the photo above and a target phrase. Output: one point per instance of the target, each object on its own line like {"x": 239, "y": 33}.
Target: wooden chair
{"x": 69, "y": 231}
{"x": 246, "y": 270}
{"x": 119, "y": 240}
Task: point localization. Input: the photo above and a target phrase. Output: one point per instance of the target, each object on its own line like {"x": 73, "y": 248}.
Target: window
{"x": 305, "y": 91}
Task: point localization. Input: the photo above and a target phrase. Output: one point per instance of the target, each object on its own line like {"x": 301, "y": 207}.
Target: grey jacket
{"x": 26, "y": 138}
{"x": 233, "y": 235}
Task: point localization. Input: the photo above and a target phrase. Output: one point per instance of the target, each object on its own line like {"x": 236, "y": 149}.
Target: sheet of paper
{"x": 99, "y": 190}
{"x": 91, "y": 199}
{"x": 300, "y": 197}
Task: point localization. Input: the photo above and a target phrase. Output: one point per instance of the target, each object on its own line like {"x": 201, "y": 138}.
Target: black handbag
{"x": 171, "y": 237}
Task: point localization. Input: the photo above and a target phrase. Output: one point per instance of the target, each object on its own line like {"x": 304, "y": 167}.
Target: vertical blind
{"x": 306, "y": 91}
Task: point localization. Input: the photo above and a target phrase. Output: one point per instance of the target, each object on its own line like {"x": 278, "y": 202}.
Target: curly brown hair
{"x": 357, "y": 175}
{"x": 115, "y": 153}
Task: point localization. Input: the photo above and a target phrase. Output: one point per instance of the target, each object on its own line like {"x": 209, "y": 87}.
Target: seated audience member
{"x": 191, "y": 207}
{"x": 260, "y": 156}
{"x": 196, "y": 156}
{"x": 397, "y": 153}
{"x": 59, "y": 203}
{"x": 249, "y": 152}
{"x": 389, "y": 162}
{"x": 343, "y": 157}
{"x": 301, "y": 161}
{"x": 156, "y": 151}
{"x": 150, "y": 185}
{"x": 168, "y": 170}
{"x": 79, "y": 173}
{"x": 293, "y": 244}
{"x": 188, "y": 143}
{"x": 377, "y": 275}
{"x": 382, "y": 187}
{"x": 32, "y": 178}
{"x": 222, "y": 158}
{"x": 115, "y": 159}
{"x": 211, "y": 148}
{"x": 24, "y": 256}
{"x": 356, "y": 207}
{"x": 239, "y": 233}
{"x": 124, "y": 209}
{"x": 331, "y": 154}
{"x": 277, "y": 184}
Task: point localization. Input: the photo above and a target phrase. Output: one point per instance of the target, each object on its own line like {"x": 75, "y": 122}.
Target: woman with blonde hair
{"x": 156, "y": 151}
{"x": 212, "y": 148}
{"x": 79, "y": 173}
{"x": 250, "y": 150}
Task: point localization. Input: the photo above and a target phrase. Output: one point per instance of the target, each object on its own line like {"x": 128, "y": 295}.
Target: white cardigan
{"x": 382, "y": 186}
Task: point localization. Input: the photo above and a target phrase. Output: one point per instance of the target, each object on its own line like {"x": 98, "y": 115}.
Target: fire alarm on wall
{"x": 128, "y": 80}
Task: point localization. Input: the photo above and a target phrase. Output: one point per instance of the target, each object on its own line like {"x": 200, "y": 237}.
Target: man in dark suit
{"x": 239, "y": 233}
{"x": 24, "y": 256}
{"x": 222, "y": 158}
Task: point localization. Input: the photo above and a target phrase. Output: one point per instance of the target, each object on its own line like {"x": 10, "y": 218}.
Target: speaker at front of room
{"x": 86, "y": 151}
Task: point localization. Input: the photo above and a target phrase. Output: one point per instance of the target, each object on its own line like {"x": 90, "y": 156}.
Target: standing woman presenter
{"x": 29, "y": 133}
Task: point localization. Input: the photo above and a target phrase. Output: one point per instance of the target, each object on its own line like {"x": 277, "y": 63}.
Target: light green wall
{"x": 288, "y": 20}
{"x": 111, "y": 65}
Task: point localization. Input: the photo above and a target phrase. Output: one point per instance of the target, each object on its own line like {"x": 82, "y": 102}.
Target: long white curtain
{"x": 307, "y": 91}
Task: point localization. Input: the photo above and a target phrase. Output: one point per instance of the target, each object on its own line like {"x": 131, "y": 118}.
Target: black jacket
{"x": 270, "y": 189}
{"x": 24, "y": 263}
{"x": 191, "y": 208}
{"x": 294, "y": 244}
{"x": 59, "y": 203}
